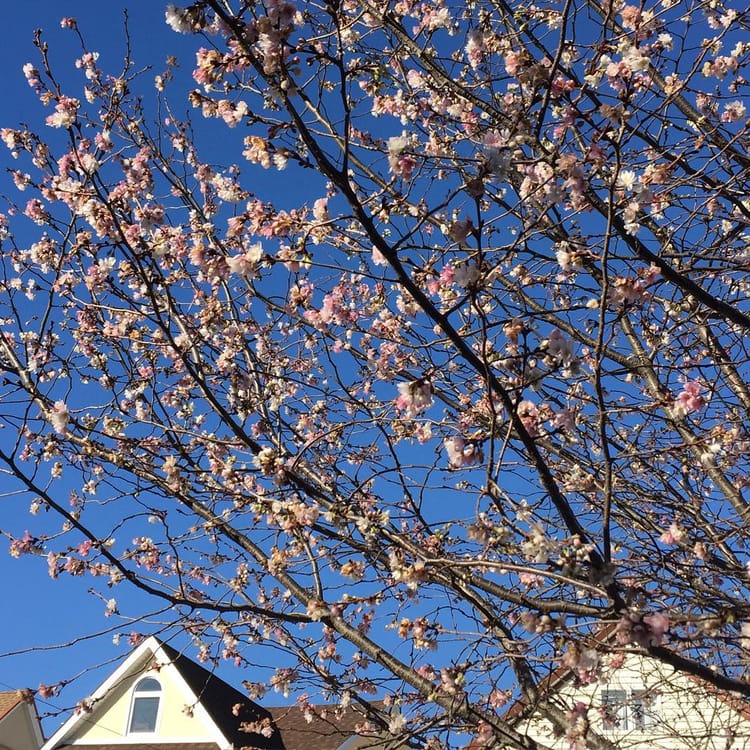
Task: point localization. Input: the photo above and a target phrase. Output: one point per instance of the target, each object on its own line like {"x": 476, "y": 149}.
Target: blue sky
{"x": 47, "y": 633}
{"x": 40, "y": 615}
{"x": 54, "y": 631}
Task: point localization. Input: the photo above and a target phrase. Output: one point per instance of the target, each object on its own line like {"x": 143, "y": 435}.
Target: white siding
{"x": 685, "y": 715}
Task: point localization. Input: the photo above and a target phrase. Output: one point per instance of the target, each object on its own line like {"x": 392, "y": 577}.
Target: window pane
{"x": 643, "y": 711}
{"x": 637, "y": 717}
{"x": 148, "y": 685}
{"x": 143, "y": 718}
{"x": 614, "y": 709}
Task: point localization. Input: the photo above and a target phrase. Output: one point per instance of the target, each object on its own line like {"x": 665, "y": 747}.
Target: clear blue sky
{"x": 41, "y": 618}
{"x": 39, "y": 614}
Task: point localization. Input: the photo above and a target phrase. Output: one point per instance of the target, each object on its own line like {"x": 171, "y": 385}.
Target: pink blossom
{"x": 433, "y": 18}
{"x": 733, "y": 111}
{"x": 179, "y": 19}
{"x": 45, "y": 691}
{"x": 59, "y": 417}
{"x": 626, "y": 290}
{"x": 719, "y": 67}
{"x": 577, "y": 726}
{"x": 414, "y": 397}
{"x": 673, "y": 535}
{"x": 499, "y": 698}
{"x": 475, "y": 48}
{"x": 462, "y": 452}
{"x": 558, "y": 346}
{"x": 400, "y": 163}
{"x": 658, "y": 625}
{"x": 426, "y": 671}
{"x": 24, "y": 546}
{"x": 12, "y": 139}
{"x": 103, "y": 140}
{"x": 447, "y": 276}
{"x": 530, "y": 417}
{"x": 246, "y": 263}
{"x": 85, "y": 706}
{"x": 32, "y": 75}
{"x": 52, "y": 565}
{"x": 85, "y": 547}
{"x": 458, "y": 231}
{"x": 320, "y": 209}
{"x": 689, "y": 399}
{"x": 512, "y": 62}
{"x": 231, "y": 113}
{"x": 65, "y": 113}
{"x": 378, "y": 258}
{"x": 317, "y": 610}
{"x": 584, "y": 662}
{"x": 35, "y": 211}
{"x": 631, "y": 16}
{"x": 451, "y": 681}
{"x": 87, "y": 62}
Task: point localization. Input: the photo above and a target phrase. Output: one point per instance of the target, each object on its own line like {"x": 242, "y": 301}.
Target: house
{"x": 158, "y": 699}
{"x": 19, "y": 723}
{"x": 634, "y": 702}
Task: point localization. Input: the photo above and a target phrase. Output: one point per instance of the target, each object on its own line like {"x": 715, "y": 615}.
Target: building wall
{"x": 682, "y": 713}
{"x": 17, "y": 730}
{"x": 109, "y": 721}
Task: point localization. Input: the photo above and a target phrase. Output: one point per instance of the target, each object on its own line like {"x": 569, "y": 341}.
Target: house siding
{"x": 17, "y": 732}
{"x": 685, "y": 714}
{"x": 110, "y": 719}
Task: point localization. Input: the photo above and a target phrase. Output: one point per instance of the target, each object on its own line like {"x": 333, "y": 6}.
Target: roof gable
{"x": 9, "y": 699}
{"x": 195, "y": 707}
{"x": 228, "y": 708}
{"x": 19, "y": 721}
{"x": 204, "y": 713}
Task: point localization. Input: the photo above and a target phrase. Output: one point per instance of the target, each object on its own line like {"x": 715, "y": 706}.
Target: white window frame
{"x": 140, "y": 693}
{"x": 624, "y": 702}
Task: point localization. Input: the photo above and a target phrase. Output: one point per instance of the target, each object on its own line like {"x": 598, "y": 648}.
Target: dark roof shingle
{"x": 286, "y": 727}
{"x": 227, "y": 706}
{"x": 322, "y": 730}
{"x": 146, "y": 746}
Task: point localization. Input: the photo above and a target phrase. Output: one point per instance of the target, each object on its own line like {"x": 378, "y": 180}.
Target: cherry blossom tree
{"x": 416, "y": 350}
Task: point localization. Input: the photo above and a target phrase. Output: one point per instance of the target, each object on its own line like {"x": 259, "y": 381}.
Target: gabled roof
{"x": 220, "y": 706}
{"x": 228, "y": 708}
{"x": 321, "y": 730}
{"x": 9, "y": 699}
{"x": 18, "y": 708}
{"x": 145, "y": 746}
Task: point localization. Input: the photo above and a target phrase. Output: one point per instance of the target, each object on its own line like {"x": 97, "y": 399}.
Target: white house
{"x": 158, "y": 699}
{"x": 19, "y": 723}
{"x": 638, "y": 703}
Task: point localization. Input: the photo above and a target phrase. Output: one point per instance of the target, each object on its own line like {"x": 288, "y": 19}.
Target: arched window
{"x": 145, "y": 708}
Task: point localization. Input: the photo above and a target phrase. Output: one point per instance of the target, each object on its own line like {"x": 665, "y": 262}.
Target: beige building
{"x": 158, "y": 699}
{"x": 637, "y": 704}
{"x": 19, "y": 722}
